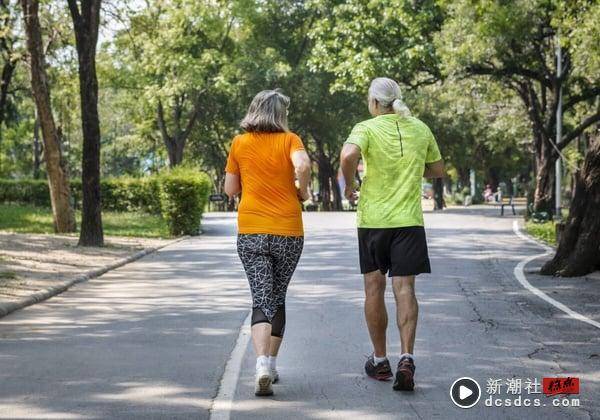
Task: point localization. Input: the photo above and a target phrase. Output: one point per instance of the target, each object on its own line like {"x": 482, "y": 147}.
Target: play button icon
{"x": 465, "y": 392}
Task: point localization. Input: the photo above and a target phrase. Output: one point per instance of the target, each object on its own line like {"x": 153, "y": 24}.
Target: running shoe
{"x": 381, "y": 371}
{"x": 274, "y": 375}
{"x": 405, "y": 375}
{"x": 263, "y": 381}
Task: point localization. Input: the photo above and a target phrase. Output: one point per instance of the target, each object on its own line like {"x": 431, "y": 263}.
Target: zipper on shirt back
{"x": 400, "y": 138}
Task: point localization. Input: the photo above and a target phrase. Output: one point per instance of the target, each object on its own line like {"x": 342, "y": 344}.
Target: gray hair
{"x": 387, "y": 93}
{"x": 267, "y": 112}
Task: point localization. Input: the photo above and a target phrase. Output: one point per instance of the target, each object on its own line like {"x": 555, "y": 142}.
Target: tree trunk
{"x": 544, "y": 185}
{"x": 7, "y": 73}
{"x": 37, "y": 150}
{"x": 85, "y": 23}
{"x": 329, "y": 189}
{"x": 578, "y": 251}
{"x": 438, "y": 193}
{"x": 58, "y": 175}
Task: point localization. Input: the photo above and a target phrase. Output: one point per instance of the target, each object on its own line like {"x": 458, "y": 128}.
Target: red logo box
{"x": 554, "y": 386}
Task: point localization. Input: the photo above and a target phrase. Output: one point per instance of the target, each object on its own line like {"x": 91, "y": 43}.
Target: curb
{"x": 595, "y": 275}
{"x": 7, "y": 308}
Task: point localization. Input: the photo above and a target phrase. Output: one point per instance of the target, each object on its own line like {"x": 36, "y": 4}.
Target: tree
{"x": 86, "y": 21}
{"x": 357, "y": 41}
{"x": 58, "y": 174}
{"x": 514, "y": 44}
{"x": 578, "y": 252}
{"x": 276, "y": 49}
{"x": 8, "y": 54}
{"x": 174, "y": 51}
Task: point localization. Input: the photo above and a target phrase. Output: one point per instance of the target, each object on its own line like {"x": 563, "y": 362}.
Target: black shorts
{"x": 400, "y": 251}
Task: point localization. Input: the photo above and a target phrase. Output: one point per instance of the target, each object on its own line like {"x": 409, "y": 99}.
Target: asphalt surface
{"x": 151, "y": 339}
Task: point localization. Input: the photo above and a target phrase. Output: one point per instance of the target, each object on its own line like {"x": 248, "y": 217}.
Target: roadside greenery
{"x": 543, "y": 231}
{"x": 31, "y": 219}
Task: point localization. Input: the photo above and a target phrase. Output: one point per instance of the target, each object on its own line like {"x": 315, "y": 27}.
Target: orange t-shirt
{"x": 269, "y": 201}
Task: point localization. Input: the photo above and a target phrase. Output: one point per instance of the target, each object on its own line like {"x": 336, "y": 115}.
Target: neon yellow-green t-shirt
{"x": 390, "y": 194}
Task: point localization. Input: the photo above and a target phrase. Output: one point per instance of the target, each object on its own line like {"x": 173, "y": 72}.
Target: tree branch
{"x": 478, "y": 69}
{"x": 577, "y": 131}
{"x": 583, "y": 96}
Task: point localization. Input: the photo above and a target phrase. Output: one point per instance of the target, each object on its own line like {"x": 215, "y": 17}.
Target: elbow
{"x": 231, "y": 191}
{"x": 303, "y": 168}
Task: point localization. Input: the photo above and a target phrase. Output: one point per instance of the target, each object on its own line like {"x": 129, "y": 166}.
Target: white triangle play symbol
{"x": 464, "y": 392}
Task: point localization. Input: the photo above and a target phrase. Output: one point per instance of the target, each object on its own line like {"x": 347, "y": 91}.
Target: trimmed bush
{"x": 179, "y": 195}
{"x": 183, "y": 196}
{"x": 26, "y": 191}
{"x": 118, "y": 194}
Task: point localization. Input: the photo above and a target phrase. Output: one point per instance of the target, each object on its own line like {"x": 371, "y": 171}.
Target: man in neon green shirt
{"x": 398, "y": 150}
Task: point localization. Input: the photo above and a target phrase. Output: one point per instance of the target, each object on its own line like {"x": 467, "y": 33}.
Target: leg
{"x": 375, "y": 311}
{"x": 261, "y": 336}
{"x": 258, "y": 265}
{"x": 286, "y": 254}
{"x": 407, "y": 311}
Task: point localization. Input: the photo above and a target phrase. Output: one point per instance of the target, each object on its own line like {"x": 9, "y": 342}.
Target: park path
{"x": 151, "y": 339}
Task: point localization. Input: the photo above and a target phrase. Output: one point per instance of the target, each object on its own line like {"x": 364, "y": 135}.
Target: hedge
{"x": 118, "y": 194}
{"x": 178, "y": 195}
{"x": 183, "y": 196}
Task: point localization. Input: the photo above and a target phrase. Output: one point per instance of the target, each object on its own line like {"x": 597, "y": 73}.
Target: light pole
{"x": 558, "y": 164}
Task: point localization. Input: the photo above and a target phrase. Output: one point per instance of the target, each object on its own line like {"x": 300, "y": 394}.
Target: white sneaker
{"x": 262, "y": 384}
{"x": 274, "y": 375}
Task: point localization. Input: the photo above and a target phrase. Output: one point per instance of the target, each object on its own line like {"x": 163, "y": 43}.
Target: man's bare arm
{"x": 349, "y": 158}
{"x": 434, "y": 170}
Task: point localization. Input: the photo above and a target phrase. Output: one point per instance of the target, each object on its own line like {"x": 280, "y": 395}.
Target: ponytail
{"x": 400, "y": 108}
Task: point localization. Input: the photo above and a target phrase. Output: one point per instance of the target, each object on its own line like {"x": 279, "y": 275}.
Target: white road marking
{"x": 520, "y": 275}
{"x": 221, "y": 406}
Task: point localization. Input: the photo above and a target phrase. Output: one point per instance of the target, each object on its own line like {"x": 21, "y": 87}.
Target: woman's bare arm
{"x": 301, "y": 163}
{"x": 232, "y": 185}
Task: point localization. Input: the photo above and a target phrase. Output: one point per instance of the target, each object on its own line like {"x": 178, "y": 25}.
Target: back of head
{"x": 388, "y": 95}
{"x": 267, "y": 113}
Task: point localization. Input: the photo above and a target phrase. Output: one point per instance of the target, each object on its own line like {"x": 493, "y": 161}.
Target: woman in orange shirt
{"x": 263, "y": 165}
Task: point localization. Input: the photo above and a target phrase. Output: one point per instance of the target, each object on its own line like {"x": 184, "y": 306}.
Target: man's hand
{"x": 350, "y": 193}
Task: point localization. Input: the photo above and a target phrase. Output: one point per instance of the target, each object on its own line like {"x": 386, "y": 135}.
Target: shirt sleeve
{"x": 295, "y": 144}
{"x": 359, "y": 137}
{"x": 232, "y": 164}
{"x": 433, "y": 151}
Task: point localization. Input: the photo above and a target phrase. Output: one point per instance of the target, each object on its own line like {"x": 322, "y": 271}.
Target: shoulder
{"x": 419, "y": 125}
{"x": 362, "y": 127}
{"x": 293, "y": 136}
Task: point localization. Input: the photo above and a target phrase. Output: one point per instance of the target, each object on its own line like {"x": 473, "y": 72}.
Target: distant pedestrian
{"x": 263, "y": 165}
{"x": 398, "y": 150}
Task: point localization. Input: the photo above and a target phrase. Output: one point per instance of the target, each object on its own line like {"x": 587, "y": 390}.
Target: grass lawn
{"x": 544, "y": 231}
{"x": 28, "y": 219}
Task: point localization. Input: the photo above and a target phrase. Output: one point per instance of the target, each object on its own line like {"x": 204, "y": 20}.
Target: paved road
{"x": 150, "y": 340}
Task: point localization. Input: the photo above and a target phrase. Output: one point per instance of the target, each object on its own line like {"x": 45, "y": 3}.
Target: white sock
{"x": 262, "y": 361}
{"x": 378, "y": 360}
{"x": 273, "y": 362}
{"x": 407, "y": 355}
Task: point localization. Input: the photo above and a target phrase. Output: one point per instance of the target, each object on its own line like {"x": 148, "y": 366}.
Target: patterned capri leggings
{"x": 269, "y": 262}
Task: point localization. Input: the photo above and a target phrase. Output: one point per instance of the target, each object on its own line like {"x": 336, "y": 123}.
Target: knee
{"x": 374, "y": 290}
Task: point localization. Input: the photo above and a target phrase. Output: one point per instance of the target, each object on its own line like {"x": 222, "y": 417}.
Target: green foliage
{"x": 183, "y": 196}
{"x": 543, "y": 231}
{"x": 130, "y": 194}
{"x": 25, "y": 191}
{"x": 118, "y": 194}
{"x": 30, "y": 219}
{"x": 358, "y": 40}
